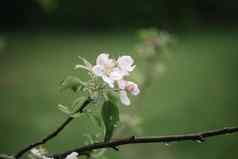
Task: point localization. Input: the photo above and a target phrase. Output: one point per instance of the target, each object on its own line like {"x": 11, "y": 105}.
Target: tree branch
{"x": 198, "y": 137}
{"x": 53, "y": 134}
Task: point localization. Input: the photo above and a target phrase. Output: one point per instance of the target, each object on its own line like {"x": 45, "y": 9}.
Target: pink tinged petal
{"x": 108, "y": 80}
{"x": 132, "y": 88}
{"x": 98, "y": 70}
{"x": 135, "y": 91}
{"x": 124, "y": 98}
{"x": 122, "y": 84}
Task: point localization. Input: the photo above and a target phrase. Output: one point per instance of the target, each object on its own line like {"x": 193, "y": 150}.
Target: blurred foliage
{"x": 117, "y": 14}
{"x": 197, "y": 92}
{"x": 48, "y": 5}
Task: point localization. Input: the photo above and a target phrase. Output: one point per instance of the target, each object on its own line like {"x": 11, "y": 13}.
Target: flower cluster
{"x": 73, "y": 155}
{"x": 114, "y": 72}
{"x": 38, "y": 153}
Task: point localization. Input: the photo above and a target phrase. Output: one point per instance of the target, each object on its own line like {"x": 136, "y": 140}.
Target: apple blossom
{"x": 125, "y": 63}
{"x": 73, "y": 155}
{"x": 39, "y": 154}
{"x": 105, "y": 68}
{"x": 112, "y": 71}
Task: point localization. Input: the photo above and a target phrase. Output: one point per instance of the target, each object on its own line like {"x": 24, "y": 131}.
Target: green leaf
{"x": 86, "y": 62}
{"x": 75, "y": 115}
{"x": 78, "y": 102}
{"x": 82, "y": 67}
{"x": 69, "y": 112}
{"x": 95, "y": 119}
{"x": 110, "y": 115}
{"x": 72, "y": 83}
{"x": 114, "y": 97}
{"x": 64, "y": 109}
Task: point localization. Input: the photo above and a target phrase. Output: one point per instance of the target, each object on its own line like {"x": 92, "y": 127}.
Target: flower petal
{"x": 125, "y": 60}
{"x": 98, "y": 70}
{"x": 124, "y": 98}
{"x": 132, "y": 88}
{"x": 125, "y": 63}
{"x": 108, "y": 80}
{"x": 116, "y": 74}
{"x": 73, "y": 155}
{"x": 102, "y": 59}
{"x": 122, "y": 84}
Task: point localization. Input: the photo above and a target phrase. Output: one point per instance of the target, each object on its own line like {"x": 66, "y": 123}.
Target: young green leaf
{"x": 86, "y": 62}
{"x": 110, "y": 115}
{"x": 114, "y": 97}
{"x": 82, "y": 67}
{"x": 77, "y": 103}
{"x": 69, "y": 112}
{"x": 64, "y": 109}
{"x": 72, "y": 83}
{"x": 95, "y": 119}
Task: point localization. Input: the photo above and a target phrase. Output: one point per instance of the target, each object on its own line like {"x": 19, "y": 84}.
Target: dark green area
{"x": 197, "y": 92}
{"x": 112, "y": 14}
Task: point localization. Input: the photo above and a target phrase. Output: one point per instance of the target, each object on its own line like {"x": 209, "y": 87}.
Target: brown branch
{"x": 198, "y": 137}
{"x": 53, "y": 134}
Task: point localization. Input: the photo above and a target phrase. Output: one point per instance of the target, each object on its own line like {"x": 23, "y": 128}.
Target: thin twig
{"x": 53, "y": 134}
{"x": 198, "y": 137}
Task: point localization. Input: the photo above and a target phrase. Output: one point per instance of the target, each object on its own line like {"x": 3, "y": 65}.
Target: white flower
{"x": 103, "y": 68}
{"x": 116, "y": 74}
{"x": 73, "y": 155}
{"x": 125, "y": 63}
{"x": 36, "y": 152}
{"x": 39, "y": 154}
{"x": 104, "y": 60}
{"x": 106, "y": 68}
{"x": 112, "y": 71}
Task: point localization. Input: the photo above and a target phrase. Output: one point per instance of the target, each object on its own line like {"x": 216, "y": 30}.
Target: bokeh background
{"x": 41, "y": 39}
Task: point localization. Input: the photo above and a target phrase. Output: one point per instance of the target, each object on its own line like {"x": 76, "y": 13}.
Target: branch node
{"x": 200, "y": 139}
{"x": 132, "y": 138}
{"x": 115, "y": 148}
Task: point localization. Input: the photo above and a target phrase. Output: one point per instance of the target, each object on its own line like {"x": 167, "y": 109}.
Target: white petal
{"x": 108, "y": 80}
{"x": 116, "y": 74}
{"x": 73, "y": 155}
{"x": 125, "y": 63}
{"x": 125, "y": 60}
{"x": 124, "y": 98}
{"x": 122, "y": 84}
{"x": 102, "y": 59}
{"x": 98, "y": 70}
{"x": 131, "y": 68}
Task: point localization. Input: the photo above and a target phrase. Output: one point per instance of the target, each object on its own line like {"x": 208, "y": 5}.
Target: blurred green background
{"x": 39, "y": 45}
